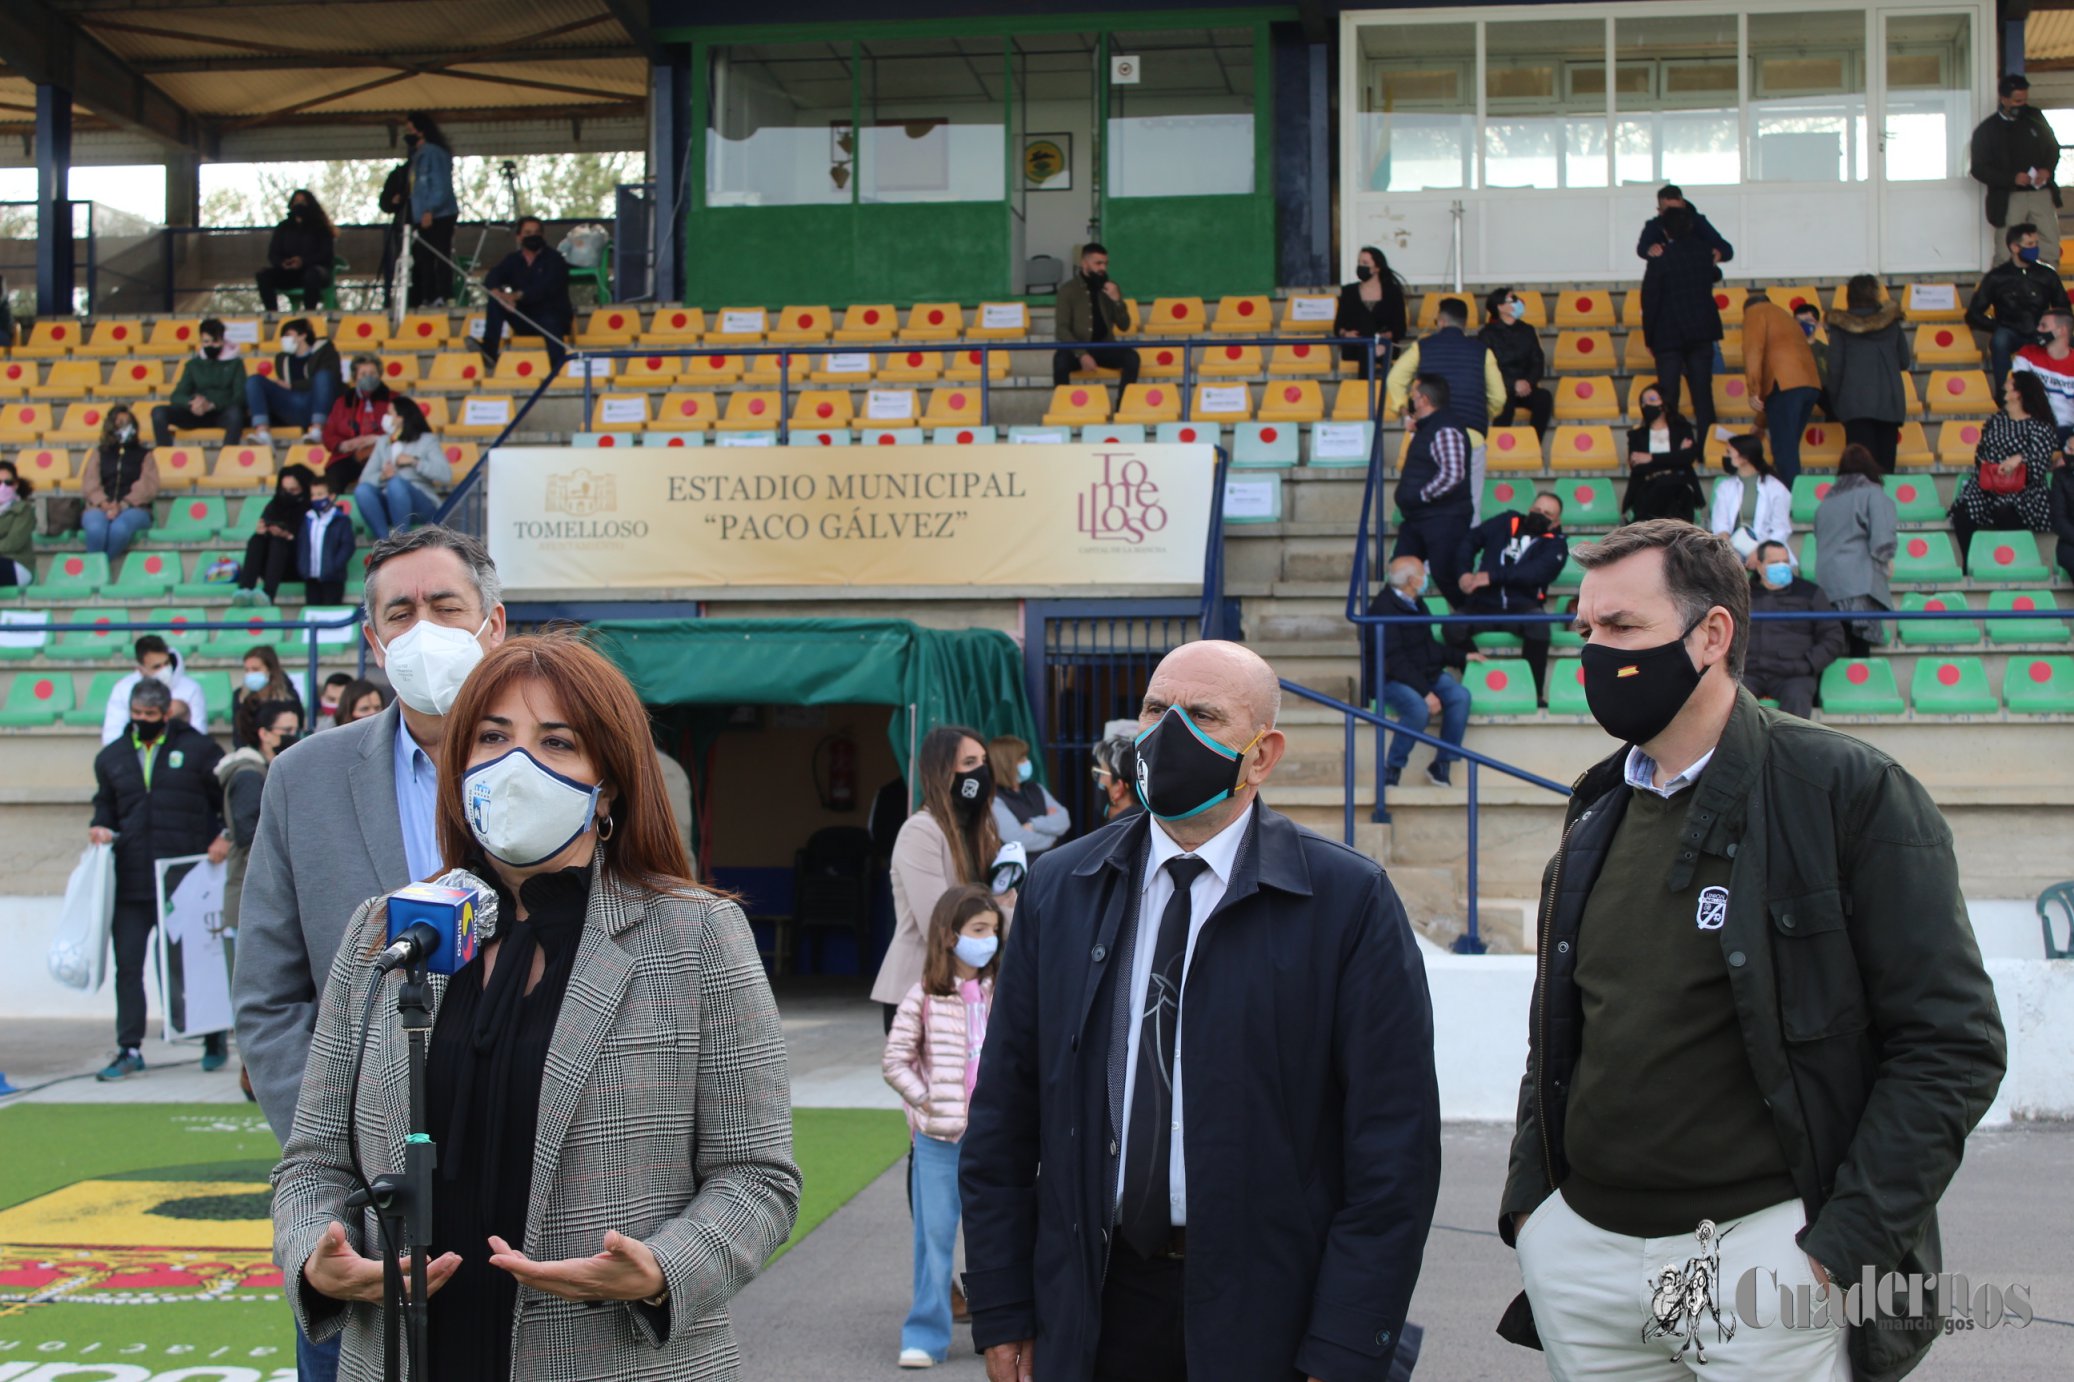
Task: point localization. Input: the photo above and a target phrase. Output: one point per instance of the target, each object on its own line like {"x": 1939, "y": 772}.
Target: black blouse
{"x": 1385, "y": 317}
{"x": 1667, "y": 484}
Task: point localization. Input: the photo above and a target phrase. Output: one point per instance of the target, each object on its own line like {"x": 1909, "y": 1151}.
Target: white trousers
{"x": 1592, "y": 1293}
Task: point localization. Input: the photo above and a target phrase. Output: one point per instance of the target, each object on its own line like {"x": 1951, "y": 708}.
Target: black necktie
{"x": 1144, "y": 1214}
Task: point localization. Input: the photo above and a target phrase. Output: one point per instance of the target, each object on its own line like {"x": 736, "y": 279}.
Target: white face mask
{"x": 163, "y": 675}
{"x": 388, "y": 422}
{"x": 523, "y": 813}
{"x": 978, "y": 951}
{"x": 428, "y": 662}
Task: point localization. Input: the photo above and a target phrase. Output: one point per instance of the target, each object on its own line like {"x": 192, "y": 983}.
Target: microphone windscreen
{"x": 456, "y": 907}
{"x": 485, "y": 895}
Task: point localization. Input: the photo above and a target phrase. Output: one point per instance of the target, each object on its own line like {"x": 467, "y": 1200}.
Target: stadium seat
{"x": 1512, "y": 448}
{"x": 462, "y": 456}
{"x": 734, "y": 326}
{"x": 1934, "y": 633}
{"x": 934, "y": 321}
{"x": 1589, "y": 502}
{"x": 963, "y": 436}
{"x": 522, "y": 368}
{"x": 1289, "y": 400}
{"x": 762, "y": 371}
{"x": 1794, "y": 296}
{"x": 47, "y": 467}
{"x": 68, "y": 379}
{"x": 1307, "y": 314}
{"x": 605, "y": 440}
{"x": 1114, "y": 434}
{"x": 952, "y": 406}
{"x": 1577, "y": 352}
{"x": 1188, "y": 434}
{"x": 890, "y": 436}
{"x": 1916, "y": 295}
{"x": 999, "y": 321}
{"x": 1952, "y": 686}
{"x": 684, "y": 410}
{"x": 1946, "y": 344}
{"x": 1229, "y": 362}
{"x": 176, "y": 621}
{"x": 965, "y": 365}
{"x": 1581, "y": 448}
{"x": 1808, "y": 491}
{"x": 1805, "y": 555}
{"x": 454, "y": 372}
{"x": 1959, "y": 393}
{"x": 357, "y": 333}
{"x": 1300, "y": 360}
{"x": 801, "y": 326}
{"x": 705, "y": 371}
{"x": 1732, "y": 398}
{"x": 1999, "y": 557}
{"x": 17, "y": 377}
{"x": 2042, "y": 630}
{"x": 1588, "y": 398}
{"x": 179, "y": 467}
{"x": 73, "y": 576}
{"x": 80, "y": 422}
{"x": 869, "y": 323}
{"x": 1504, "y": 492}
{"x": 484, "y": 415}
{"x": 1728, "y": 300}
{"x": 240, "y": 468}
{"x": 144, "y": 576}
{"x": 191, "y": 518}
{"x": 1147, "y": 403}
{"x": 36, "y": 700}
{"x": 610, "y": 326}
{"x": 2039, "y": 685}
{"x": 890, "y": 408}
{"x": 1252, "y": 315}
{"x": 426, "y": 331}
{"x": 100, "y": 641}
{"x": 198, "y": 586}
{"x": 1500, "y": 686}
{"x": 112, "y": 340}
{"x": 1821, "y": 445}
{"x": 1635, "y": 356}
{"x": 1351, "y": 402}
{"x": 1860, "y": 686}
{"x": 1266, "y": 444}
{"x": 1154, "y": 362}
{"x": 822, "y": 408}
{"x": 1175, "y": 317}
{"x": 49, "y": 340}
{"x": 1570, "y": 577}
{"x": 87, "y": 714}
{"x": 1915, "y": 499}
{"x": 1220, "y": 402}
{"x": 1075, "y": 405}
{"x": 1584, "y": 307}
{"x": 1956, "y": 442}
{"x": 1039, "y": 436}
{"x": 1252, "y": 500}
{"x": 820, "y": 436}
{"x": 401, "y": 372}
{"x": 620, "y": 412}
{"x": 653, "y": 371}
{"x": 752, "y": 410}
{"x": 170, "y": 336}
{"x": 680, "y": 439}
{"x": 910, "y": 366}
{"x": 1566, "y": 687}
{"x": 23, "y": 637}
{"x": 1914, "y": 446}
{"x": 1929, "y": 557}
{"x": 674, "y": 326}
{"x": 1731, "y": 345}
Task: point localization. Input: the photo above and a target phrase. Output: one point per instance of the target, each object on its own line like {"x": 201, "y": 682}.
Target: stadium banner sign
{"x": 567, "y": 518}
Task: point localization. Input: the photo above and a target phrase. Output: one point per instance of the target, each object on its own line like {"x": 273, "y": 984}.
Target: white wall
{"x": 1058, "y": 220}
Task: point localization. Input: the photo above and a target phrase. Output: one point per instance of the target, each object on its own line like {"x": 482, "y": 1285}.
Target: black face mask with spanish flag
{"x": 1635, "y": 693}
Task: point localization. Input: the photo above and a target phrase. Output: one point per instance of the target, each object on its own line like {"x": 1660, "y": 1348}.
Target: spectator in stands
{"x": 155, "y": 662}
{"x": 2053, "y": 365}
{"x": 17, "y": 527}
{"x": 1023, "y": 811}
{"x": 2010, "y": 489}
{"x": 263, "y": 682}
{"x": 1779, "y": 368}
{"x": 275, "y": 726}
{"x": 305, "y": 385}
{"x": 1868, "y": 360}
{"x": 410, "y": 471}
{"x": 1418, "y": 681}
{"x": 1475, "y": 387}
{"x": 395, "y": 207}
{"x": 1433, "y": 490}
{"x": 300, "y": 255}
{"x": 1670, "y": 197}
{"x": 950, "y": 840}
{"x": 209, "y": 393}
{"x": 1855, "y": 532}
{"x": 1786, "y": 656}
{"x": 119, "y": 481}
{"x": 1809, "y": 317}
{"x": 1116, "y": 776}
{"x": 1507, "y": 564}
{"x": 433, "y": 209}
{"x": 1090, "y": 307}
{"x": 1371, "y": 309}
{"x": 1751, "y": 507}
{"x": 1681, "y": 322}
{"x": 2014, "y": 155}
{"x": 1516, "y": 345}
{"x": 360, "y": 700}
{"x": 1663, "y": 462}
{"x": 354, "y": 428}
{"x": 324, "y": 547}
{"x": 2012, "y": 299}
{"x": 270, "y": 551}
{"x": 328, "y": 701}
{"x": 156, "y": 797}
{"x": 529, "y": 292}
{"x": 2062, "y": 512}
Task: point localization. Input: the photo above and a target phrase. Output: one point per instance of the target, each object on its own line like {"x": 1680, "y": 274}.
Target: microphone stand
{"x": 404, "y": 1201}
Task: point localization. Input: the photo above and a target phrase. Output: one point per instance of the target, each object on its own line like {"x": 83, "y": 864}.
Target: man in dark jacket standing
{"x": 1761, "y": 1028}
{"x": 1516, "y": 345}
{"x": 2013, "y": 297}
{"x": 1681, "y": 322}
{"x": 1507, "y": 564}
{"x": 1787, "y": 656}
{"x": 1669, "y": 198}
{"x": 1476, "y": 391}
{"x": 1433, "y": 488}
{"x": 2014, "y": 155}
{"x": 156, "y": 797}
{"x": 1090, "y": 307}
{"x": 1262, "y": 1155}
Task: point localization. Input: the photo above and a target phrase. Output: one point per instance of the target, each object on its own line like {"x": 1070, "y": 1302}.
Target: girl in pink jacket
{"x": 932, "y": 1059}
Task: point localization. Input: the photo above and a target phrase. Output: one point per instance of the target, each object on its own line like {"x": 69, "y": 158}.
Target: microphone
{"x": 437, "y": 924}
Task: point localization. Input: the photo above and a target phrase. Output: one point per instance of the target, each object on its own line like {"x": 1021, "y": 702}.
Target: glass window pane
{"x": 1418, "y": 106}
{"x": 1675, "y": 99}
{"x": 1929, "y": 117}
{"x": 1807, "y": 98}
{"x": 779, "y": 132}
{"x": 932, "y": 127}
{"x": 1545, "y": 104}
{"x": 1185, "y": 127}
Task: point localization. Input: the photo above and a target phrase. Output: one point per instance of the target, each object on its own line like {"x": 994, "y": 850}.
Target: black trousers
{"x": 1882, "y": 439}
{"x": 1064, "y": 362}
{"x": 2006, "y": 516}
{"x": 310, "y": 280}
{"x": 1691, "y": 366}
{"x": 324, "y": 592}
{"x": 165, "y": 418}
{"x": 431, "y": 279}
{"x": 1142, "y": 1337}
{"x": 1533, "y": 646}
{"x": 268, "y": 560}
{"x": 1795, "y": 695}
{"x": 1539, "y": 405}
{"x": 131, "y": 933}
{"x": 1438, "y": 538}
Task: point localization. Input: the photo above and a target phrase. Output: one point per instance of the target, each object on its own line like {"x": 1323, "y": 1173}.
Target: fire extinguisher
{"x": 840, "y": 791}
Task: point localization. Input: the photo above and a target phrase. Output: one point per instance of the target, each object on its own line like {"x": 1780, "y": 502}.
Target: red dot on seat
{"x": 1166, "y": 357}
{"x": 1582, "y": 442}
{"x": 1507, "y": 441}
{"x": 2023, "y": 602}
{"x": 1944, "y": 337}
{"x": 608, "y": 440}
{"x": 1233, "y": 352}
{"x": 2041, "y": 671}
{"x": 1858, "y": 674}
{"x": 425, "y": 329}
{"x": 138, "y": 371}
{"x": 1503, "y": 492}
{"x": 957, "y": 400}
{"x": 154, "y": 565}
{"x": 887, "y": 439}
{"x": 26, "y": 415}
{"x": 1584, "y": 304}
{"x": 677, "y": 320}
{"x": 1955, "y": 387}
{"x": 45, "y": 690}
{"x": 1078, "y": 398}
{"x": 825, "y": 439}
{"x": 1155, "y": 396}
{"x": 468, "y": 372}
{"x": 1814, "y": 436}
{"x": 756, "y": 406}
{"x": 1585, "y": 389}
{"x": 2004, "y": 556}
{"x": 871, "y": 316}
{"x": 653, "y": 362}
{"x": 1917, "y": 547}
{"x": 1580, "y": 674}
{"x": 93, "y": 415}
{"x": 1496, "y": 680}
{"x": 1301, "y": 352}
{"x": 824, "y": 410}
{"x": 1969, "y": 434}
{"x": 182, "y": 333}
{"x": 14, "y": 371}
{"x": 1735, "y": 388}
{"x": 525, "y": 368}
{"x": 1933, "y": 604}
{"x": 1179, "y": 310}
{"x": 395, "y": 368}
{"x": 964, "y": 438}
{"x": 1187, "y": 434}
{"x": 972, "y": 356}
{"x": 676, "y": 441}
{"x": 74, "y": 566}
{"x": 1948, "y": 675}
{"x": 1584, "y": 494}
{"x": 453, "y": 454}
{"x": 57, "y": 333}
{"x": 1587, "y": 345}
{"x": 806, "y": 321}
{"x": 121, "y": 333}
{"x": 936, "y": 316}
{"x": 1721, "y": 299}
{"x": 1822, "y": 490}
{"x": 197, "y": 509}
{"x": 1268, "y": 435}
{"x": 914, "y": 359}
{"x": 1291, "y": 394}
{"x": 1245, "y": 307}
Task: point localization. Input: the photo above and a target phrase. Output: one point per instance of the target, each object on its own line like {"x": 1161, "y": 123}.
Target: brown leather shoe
{"x": 960, "y": 1314}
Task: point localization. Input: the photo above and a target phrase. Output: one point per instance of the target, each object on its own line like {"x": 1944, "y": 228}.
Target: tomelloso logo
{"x": 581, "y": 494}
{"x": 1123, "y": 505}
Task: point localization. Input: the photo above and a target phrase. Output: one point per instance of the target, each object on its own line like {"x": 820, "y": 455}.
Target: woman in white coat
{"x": 1751, "y": 506}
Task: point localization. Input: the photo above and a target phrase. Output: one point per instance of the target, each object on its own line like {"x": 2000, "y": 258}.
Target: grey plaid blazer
{"x": 665, "y": 1113}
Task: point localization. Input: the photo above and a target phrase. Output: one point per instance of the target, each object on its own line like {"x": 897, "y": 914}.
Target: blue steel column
{"x": 53, "y": 201}
{"x": 670, "y": 120}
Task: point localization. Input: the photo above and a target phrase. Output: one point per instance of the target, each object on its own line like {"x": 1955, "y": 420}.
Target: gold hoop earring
{"x": 605, "y": 829}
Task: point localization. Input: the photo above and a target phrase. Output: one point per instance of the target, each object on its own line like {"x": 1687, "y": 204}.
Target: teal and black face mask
{"x": 1183, "y": 772}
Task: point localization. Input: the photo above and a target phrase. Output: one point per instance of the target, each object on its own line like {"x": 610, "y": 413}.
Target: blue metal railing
{"x": 309, "y": 628}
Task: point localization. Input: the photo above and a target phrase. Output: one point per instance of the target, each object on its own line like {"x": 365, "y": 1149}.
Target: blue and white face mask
{"x": 1183, "y": 772}
{"x": 524, "y": 813}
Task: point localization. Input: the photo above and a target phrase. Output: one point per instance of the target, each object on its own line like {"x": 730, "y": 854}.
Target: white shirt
{"x": 115, "y": 718}
{"x": 1641, "y": 772}
{"x": 1220, "y": 852}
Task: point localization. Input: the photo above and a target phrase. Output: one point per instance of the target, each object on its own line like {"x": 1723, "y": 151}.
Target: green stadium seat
{"x": 1809, "y": 491}
{"x": 1506, "y": 492}
{"x": 1571, "y": 576}
{"x": 87, "y": 714}
{"x": 198, "y": 586}
{"x": 35, "y": 700}
{"x": 216, "y": 689}
{"x": 1807, "y": 559}
{"x": 1999, "y": 557}
{"x": 105, "y": 642}
{"x": 1915, "y": 499}
{"x": 74, "y": 576}
{"x": 1188, "y": 433}
{"x": 1952, "y": 686}
{"x": 1501, "y": 686}
{"x": 237, "y": 642}
{"x": 2045, "y": 630}
{"x": 1566, "y": 687}
{"x": 1930, "y": 633}
{"x": 1252, "y": 501}
{"x": 181, "y": 637}
{"x": 145, "y": 576}
{"x": 961, "y": 436}
{"x": 1927, "y": 557}
{"x": 1860, "y": 686}
{"x": 1341, "y": 443}
{"x": 194, "y": 519}
{"x": 1495, "y": 642}
{"x": 20, "y": 639}
{"x": 1265, "y": 444}
{"x": 1436, "y": 605}
{"x": 1589, "y": 503}
{"x": 2039, "y": 685}
{"x": 1114, "y": 434}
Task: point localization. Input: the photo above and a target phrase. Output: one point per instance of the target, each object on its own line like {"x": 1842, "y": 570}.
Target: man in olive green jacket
{"x": 1761, "y": 1029}
{"x": 1090, "y": 308}
{"x": 209, "y": 393}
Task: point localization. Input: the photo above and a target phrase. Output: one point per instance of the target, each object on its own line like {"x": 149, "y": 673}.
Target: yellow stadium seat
{"x": 1154, "y": 362}
{"x": 1821, "y": 445}
{"x": 1949, "y": 343}
{"x": 1914, "y": 447}
{"x": 869, "y": 323}
{"x": 1729, "y": 299}
{"x": 113, "y": 339}
{"x": 1149, "y": 404}
{"x": 1075, "y": 405}
{"x": 46, "y": 467}
{"x": 134, "y": 378}
{"x": 1580, "y": 448}
{"x": 492, "y": 413}
{"x": 1229, "y": 362}
{"x": 1732, "y": 347}
{"x": 999, "y": 321}
{"x": 1292, "y": 400}
{"x": 1959, "y": 393}
{"x": 79, "y": 422}
{"x": 169, "y": 336}
{"x": 17, "y": 377}
{"x": 1352, "y": 401}
{"x": 1793, "y": 296}
{"x": 462, "y": 456}
{"x": 965, "y": 365}
{"x": 801, "y": 326}
{"x": 179, "y": 467}
{"x": 1956, "y": 441}
{"x": 1580, "y": 351}
{"x": 1635, "y": 355}
{"x": 435, "y": 410}
{"x": 736, "y": 326}
{"x": 822, "y": 408}
{"x": 241, "y": 468}
{"x": 610, "y": 326}
{"x": 23, "y": 422}
{"x": 1307, "y": 314}
{"x": 1429, "y": 308}
{"x": 911, "y": 366}
{"x": 1910, "y": 393}
{"x": 50, "y": 340}
{"x": 1512, "y": 448}
{"x": 675, "y": 326}
{"x": 454, "y": 373}
{"x": 684, "y": 410}
{"x": 763, "y": 370}
{"x": 885, "y": 408}
{"x": 316, "y": 456}
{"x": 1251, "y": 315}
{"x": 522, "y": 368}
{"x": 750, "y": 410}
{"x": 1175, "y": 317}
{"x": 934, "y": 321}
{"x": 701, "y": 371}
{"x": 1220, "y": 402}
{"x": 1584, "y": 307}
{"x": 1530, "y": 298}
{"x": 620, "y": 412}
{"x": 1914, "y": 296}
{"x": 68, "y": 379}
{"x": 1133, "y": 320}
{"x": 359, "y": 333}
{"x": 401, "y": 372}
{"x": 851, "y": 369}
{"x": 1631, "y": 309}
{"x": 654, "y": 370}
{"x": 1300, "y": 360}
{"x": 1732, "y": 398}
{"x": 418, "y": 331}
{"x": 951, "y": 406}
{"x": 1586, "y": 398}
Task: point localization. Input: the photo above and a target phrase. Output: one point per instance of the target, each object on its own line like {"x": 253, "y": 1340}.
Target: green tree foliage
{"x": 557, "y": 186}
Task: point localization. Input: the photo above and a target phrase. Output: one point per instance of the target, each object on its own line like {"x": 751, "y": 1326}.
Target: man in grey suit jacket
{"x": 348, "y": 815}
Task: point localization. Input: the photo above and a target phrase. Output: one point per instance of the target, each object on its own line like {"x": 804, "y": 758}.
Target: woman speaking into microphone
{"x": 606, "y": 1079}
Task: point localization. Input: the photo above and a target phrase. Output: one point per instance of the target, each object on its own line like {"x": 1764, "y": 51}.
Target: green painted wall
{"x": 1190, "y": 245}
{"x": 774, "y": 255}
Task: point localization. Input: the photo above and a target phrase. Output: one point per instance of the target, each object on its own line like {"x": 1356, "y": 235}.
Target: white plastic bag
{"x": 79, "y": 950}
{"x": 584, "y": 246}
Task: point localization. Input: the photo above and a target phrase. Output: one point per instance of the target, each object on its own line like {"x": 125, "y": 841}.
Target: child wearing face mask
{"x": 323, "y": 547}
{"x": 932, "y": 1061}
